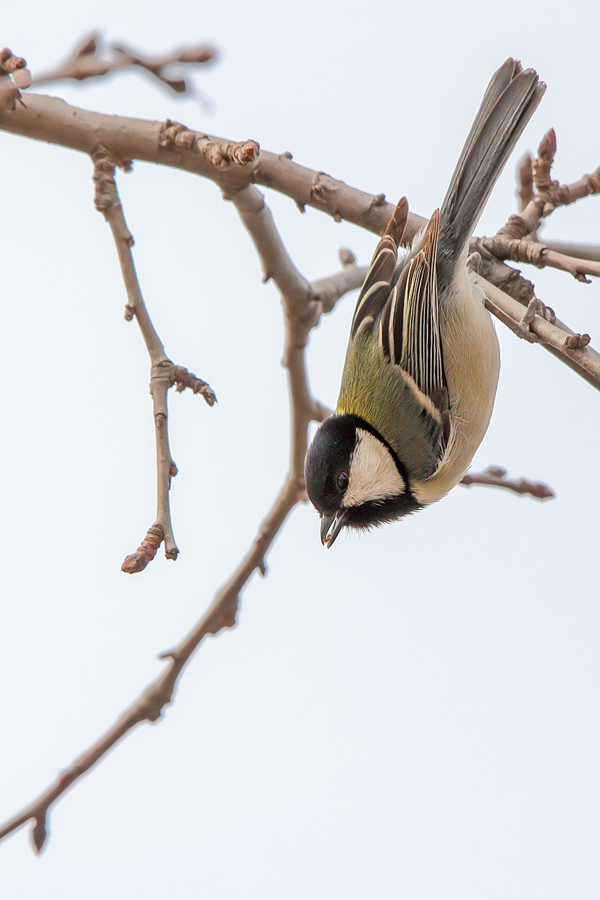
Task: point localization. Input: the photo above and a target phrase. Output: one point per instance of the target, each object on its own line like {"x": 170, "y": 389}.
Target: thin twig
{"x": 514, "y": 240}
{"x": 495, "y": 476}
{"x": 90, "y": 60}
{"x": 164, "y": 373}
{"x": 546, "y": 202}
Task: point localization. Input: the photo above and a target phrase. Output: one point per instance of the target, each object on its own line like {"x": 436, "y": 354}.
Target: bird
{"x": 423, "y": 361}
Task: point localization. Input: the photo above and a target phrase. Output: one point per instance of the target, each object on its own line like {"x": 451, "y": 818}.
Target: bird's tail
{"x": 509, "y": 102}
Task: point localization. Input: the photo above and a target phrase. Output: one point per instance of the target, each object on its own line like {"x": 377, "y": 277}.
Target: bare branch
{"x": 495, "y": 476}
{"x": 349, "y": 278}
{"x": 544, "y": 203}
{"x": 553, "y": 336}
{"x": 537, "y": 254}
{"x": 577, "y": 267}
{"x": 580, "y": 251}
{"x": 303, "y": 306}
{"x": 90, "y": 60}
{"x": 159, "y": 693}
{"x": 509, "y": 280}
{"x": 54, "y": 121}
{"x": 164, "y": 373}
{"x": 513, "y": 241}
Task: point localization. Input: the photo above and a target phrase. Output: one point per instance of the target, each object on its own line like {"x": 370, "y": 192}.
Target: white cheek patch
{"x": 373, "y": 473}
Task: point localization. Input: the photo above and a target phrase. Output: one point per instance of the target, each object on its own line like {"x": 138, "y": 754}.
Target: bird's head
{"x": 354, "y": 479}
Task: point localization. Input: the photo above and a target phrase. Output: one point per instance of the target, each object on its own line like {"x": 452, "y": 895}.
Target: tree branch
{"x": 537, "y": 254}
{"x": 303, "y": 306}
{"x": 88, "y": 61}
{"x": 51, "y": 120}
{"x": 576, "y": 249}
{"x": 554, "y": 337}
{"x": 495, "y": 476}
{"x": 517, "y": 241}
{"x": 235, "y": 167}
{"x": 164, "y": 373}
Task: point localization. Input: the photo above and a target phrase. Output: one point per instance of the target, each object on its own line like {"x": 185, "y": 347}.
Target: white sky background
{"x": 413, "y": 714}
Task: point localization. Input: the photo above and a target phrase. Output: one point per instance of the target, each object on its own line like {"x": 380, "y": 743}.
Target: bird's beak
{"x": 331, "y": 527}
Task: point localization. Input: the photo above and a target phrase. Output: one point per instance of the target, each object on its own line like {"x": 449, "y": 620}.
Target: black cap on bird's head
{"x": 354, "y": 479}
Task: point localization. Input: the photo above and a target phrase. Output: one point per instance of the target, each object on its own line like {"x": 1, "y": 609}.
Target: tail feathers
{"x": 509, "y": 102}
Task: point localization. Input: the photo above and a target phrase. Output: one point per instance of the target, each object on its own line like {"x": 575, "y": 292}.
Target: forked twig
{"x": 163, "y": 374}
{"x": 90, "y": 60}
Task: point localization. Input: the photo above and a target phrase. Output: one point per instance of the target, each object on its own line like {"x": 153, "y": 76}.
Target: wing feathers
{"x": 376, "y": 287}
{"x": 420, "y": 348}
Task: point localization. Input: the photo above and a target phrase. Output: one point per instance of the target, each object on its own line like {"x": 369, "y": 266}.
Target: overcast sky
{"x": 413, "y": 714}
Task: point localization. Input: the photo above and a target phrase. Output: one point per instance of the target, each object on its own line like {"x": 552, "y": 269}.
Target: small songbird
{"x": 422, "y": 364}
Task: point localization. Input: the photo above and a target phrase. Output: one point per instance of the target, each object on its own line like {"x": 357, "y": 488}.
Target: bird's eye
{"x": 342, "y": 481}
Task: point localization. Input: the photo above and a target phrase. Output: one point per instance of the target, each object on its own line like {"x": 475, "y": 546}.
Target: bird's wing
{"x": 409, "y": 330}
{"x": 399, "y": 305}
{"x": 377, "y": 284}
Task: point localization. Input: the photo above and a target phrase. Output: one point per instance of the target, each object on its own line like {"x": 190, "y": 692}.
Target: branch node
{"x": 378, "y": 200}
{"x": 13, "y": 76}
{"x": 577, "y": 341}
{"x": 535, "y": 308}
{"x": 9, "y": 63}
{"x": 516, "y": 228}
{"x": 221, "y": 155}
{"x": 183, "y": 378}
{"x": 322, "y": 187}
{"x": 174, "y": 134}
{"x": 224, "y": 615}
{"x": 104, "y": 179}
{"x": 593, "y": 181}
